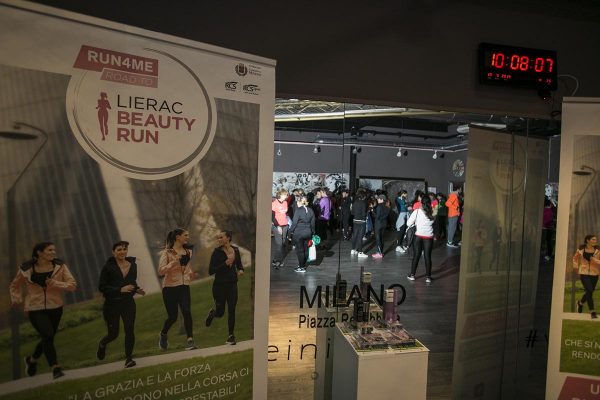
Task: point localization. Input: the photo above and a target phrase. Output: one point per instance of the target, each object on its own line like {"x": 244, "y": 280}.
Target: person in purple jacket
{"x": 324, "y": 214}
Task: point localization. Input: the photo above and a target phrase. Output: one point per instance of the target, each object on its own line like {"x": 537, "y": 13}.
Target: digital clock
{"x": 517, "y": 66}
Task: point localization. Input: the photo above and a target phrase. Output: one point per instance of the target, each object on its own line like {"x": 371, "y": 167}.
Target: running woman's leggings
{"x": 115, "y": 311}
{"x": 173, "y": 297}
{"x": 45, "y": 322}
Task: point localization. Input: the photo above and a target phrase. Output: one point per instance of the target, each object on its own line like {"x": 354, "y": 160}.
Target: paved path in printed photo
{"x": 70, "y": 374}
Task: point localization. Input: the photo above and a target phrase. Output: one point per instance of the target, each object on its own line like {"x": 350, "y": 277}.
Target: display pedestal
{"x": 378, "y": 374}
{"x": 325, "y": 344}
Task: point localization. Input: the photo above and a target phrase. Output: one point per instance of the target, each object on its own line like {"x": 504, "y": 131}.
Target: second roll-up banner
{"x": 133, "y": 163}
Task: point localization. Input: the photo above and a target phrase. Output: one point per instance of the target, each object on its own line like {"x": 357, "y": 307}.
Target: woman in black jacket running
{"x": 303, "y": 228}
{"x": 118, "y": 284}
{"x": 226, "y": 266}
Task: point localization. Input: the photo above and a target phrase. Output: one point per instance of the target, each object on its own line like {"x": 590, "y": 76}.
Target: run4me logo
{"x": 146, "y": 114}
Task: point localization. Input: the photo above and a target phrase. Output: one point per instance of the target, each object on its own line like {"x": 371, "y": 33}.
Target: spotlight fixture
{"x": 399, "y": 154}
{"x": 434, "y": 155}
{"x": 317, "y": 149}
{"x": 442, "y": 155}
{"x": 279, "y": 152}
{"x": 405, "y": 153}
{"x": 356, "y": 150}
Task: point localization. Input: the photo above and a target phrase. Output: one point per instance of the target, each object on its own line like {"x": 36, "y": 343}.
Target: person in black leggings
{"x": 45, "y": 277}
{"x": 359, "y": 213}
{"x": 586, "y": 262}
{"x": 226, "y": 266}
{"x": 423, "y": 219}
{"x": 175, "y": 268}
{"x": 118, "y": 285}
{"x": 302, "y": 230}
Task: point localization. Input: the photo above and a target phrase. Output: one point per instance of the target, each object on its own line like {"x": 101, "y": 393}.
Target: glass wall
{"x": 473, "y": 316}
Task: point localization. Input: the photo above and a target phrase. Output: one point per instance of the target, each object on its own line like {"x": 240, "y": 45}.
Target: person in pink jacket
{"x": 586, "y": 261}
{"x": 175, "y": 268}
{"x": 279, "y": 219}
{"x": 45, "y": 277}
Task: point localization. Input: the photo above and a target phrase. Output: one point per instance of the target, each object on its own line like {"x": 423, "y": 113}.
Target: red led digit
{"x": 524, "y": 63}
{"x": 498, "y": 60}
{"x": 539, "y": 64}
{"x": 514, "y": 62}
{"x": 551, "y": 61}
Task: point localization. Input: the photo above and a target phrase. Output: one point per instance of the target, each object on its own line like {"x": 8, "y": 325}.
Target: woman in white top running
{"x": 423, "y": 219}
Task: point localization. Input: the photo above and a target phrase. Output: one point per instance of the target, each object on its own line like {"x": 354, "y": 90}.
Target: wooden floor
{"x": 428, "y": 313}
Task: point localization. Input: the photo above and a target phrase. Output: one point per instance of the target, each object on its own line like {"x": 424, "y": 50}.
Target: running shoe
{"x": 353, "y": 252}
{"x": 362, "y": 255}
{"x": 377, "y": 255}
{"x": 190, "y": 344}
{"x": 579, "y": 307}
{"x": 30, "y": 366}
{"x": 299, "y": 269}
{"x": 57, "y": 373}
{"x": 231, "y": 340}
{"x": 428, "y": 279}
{"x": 410, "y": 277}
{"x": 101, "y": 352}
{"x": 163, "y": 341}
{"x": 209, "y": 317}
{"x": 130, "y": 363}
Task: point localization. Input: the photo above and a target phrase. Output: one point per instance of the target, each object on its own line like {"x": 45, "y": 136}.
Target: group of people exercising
{"x": 45, "y": 277}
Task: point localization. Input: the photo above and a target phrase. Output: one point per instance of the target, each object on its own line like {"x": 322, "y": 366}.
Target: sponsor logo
{"x": 123, "y": 119}
{"x": 241, "y": 69}
{"x": 231, "y": 86}
{"x": 251, "y": 89}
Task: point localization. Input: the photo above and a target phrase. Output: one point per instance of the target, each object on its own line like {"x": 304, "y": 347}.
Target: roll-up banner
{"x": 132, "y": 166}
{"x": 574, "y": 346}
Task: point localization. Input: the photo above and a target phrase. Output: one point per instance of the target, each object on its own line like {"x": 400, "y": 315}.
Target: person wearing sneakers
{"x": 423, "y": 219}
{"x": 302, "y": 230}
{"x": 453, "y": 205}
{"x": 586, "y": 262}
{"x": 279, "y": 219}
{"x": 226, "y": 266}
{"x": 382, "y": 211}
{"x": 174, "y": 266}
{"x": 345, "y": 213}
{"x": 45, "y": 278}
{"x": 118, "y": 284}
{"x": 402, "y": 206}
{"x": 359, "y": 213}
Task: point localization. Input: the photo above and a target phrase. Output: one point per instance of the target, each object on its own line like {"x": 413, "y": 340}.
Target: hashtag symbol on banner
{"x": 531, "y": 338}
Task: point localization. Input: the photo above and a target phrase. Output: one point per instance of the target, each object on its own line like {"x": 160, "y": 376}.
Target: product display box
{"x": 365, "y": 364}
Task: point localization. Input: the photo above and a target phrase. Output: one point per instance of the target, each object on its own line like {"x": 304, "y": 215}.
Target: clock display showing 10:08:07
{"x": 516, "y": 62}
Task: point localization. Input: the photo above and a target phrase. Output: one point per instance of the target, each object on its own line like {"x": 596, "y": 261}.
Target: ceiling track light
{"x": 317, "y": 149}
{"x": 399, "y": 154}
{"x": 356, "y": 150}
{"x": 279, "y": 152}
{"x": 435, "y": 155}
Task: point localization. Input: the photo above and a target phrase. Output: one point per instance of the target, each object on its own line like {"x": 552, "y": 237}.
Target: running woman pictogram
{"x": 103, "y": 107}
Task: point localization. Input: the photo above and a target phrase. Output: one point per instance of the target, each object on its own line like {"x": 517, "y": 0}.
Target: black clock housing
{"x": 517, "y": 66}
